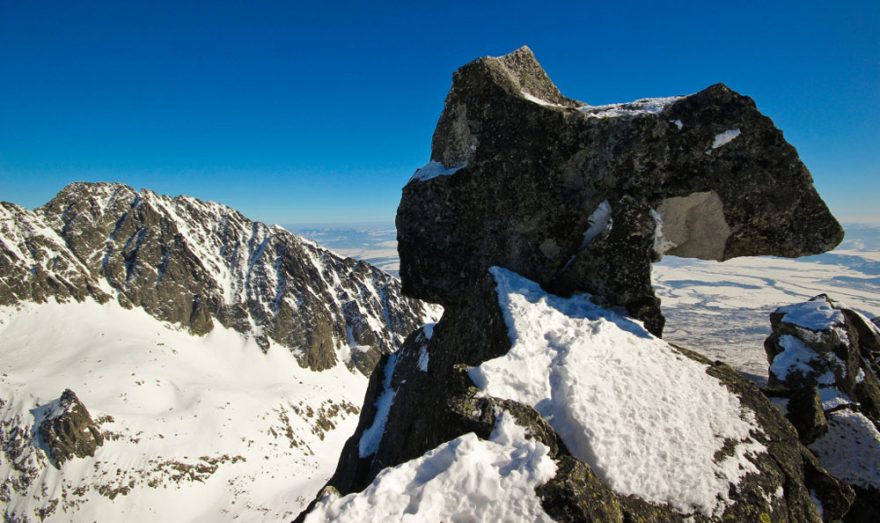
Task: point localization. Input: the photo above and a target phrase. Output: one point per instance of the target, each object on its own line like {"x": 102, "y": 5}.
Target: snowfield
{"x": 196, "y": 428}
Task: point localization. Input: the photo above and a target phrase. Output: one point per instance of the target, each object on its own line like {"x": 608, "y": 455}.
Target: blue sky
{"x": 320, "y": 113}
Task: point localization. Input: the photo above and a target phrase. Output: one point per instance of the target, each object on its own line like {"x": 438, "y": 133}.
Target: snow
{"x": 176, "y": 400}
{"x": 816, "y": 314}
{"x": 466, "y": 479}
{"x": 661, "y": 244}
{"x": 539, "y": 101}
{"x": 372, "y": 436}
{"x": 678, "y": 123}
{"x": 434, "y": 169}
{"x": 428, "y": 330}
{"x": 620, "y": 398}
{"x": 725, "y": 138}
{"x": 850, "y": 449}
{"x": 600, "y": 221}
{"x": 795, "y": 357}
{"x": 644, "y": 106}
{"x": 818, "y": 504}
{"x": 832, "y": 397}
{"x": 423, "y": 358}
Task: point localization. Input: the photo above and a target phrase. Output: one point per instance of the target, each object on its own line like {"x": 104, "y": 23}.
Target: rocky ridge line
{"x": 194, "y": 263}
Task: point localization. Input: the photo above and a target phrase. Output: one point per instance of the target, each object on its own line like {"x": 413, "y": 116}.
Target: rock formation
{"x": 194, "y": 263}
{"x": 570, "y": 195}
{"x": 535, "y": 225}
{"x": 67, "y": 430}
{"x": 823, "y": 374}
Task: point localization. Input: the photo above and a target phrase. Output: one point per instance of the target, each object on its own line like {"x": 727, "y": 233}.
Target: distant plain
{"x": 719, "y": 309}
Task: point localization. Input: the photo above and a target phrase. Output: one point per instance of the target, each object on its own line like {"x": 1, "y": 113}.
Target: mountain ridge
{"x": 193, "y": 263}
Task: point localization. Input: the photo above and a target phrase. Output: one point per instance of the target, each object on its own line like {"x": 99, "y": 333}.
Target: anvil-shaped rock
{"x": 583, "y": 198}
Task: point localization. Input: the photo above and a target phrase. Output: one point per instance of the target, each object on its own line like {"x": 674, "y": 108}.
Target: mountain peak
{"x": 194, "y": 263}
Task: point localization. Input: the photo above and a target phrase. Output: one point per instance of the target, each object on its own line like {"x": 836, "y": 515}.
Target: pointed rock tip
{"x": 527, "y": 76}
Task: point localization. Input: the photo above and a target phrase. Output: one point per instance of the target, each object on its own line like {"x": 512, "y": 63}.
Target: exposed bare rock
{"x": 572, "y": 196}
{"x": 67, "y": 429}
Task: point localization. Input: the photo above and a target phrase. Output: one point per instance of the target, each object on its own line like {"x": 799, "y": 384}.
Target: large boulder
{"x": 823, "y": 375}
{"x": 534, "y": 225}
{"x": 571, "y": 195}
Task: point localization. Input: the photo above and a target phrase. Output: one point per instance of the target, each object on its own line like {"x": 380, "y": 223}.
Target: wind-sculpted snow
{"x": 196, "y": 263}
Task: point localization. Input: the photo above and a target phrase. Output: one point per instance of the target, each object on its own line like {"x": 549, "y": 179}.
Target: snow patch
{"x": 600, "y": 221}
{"x": 372, "y": 436}
{"x": 795, "y": 357}
{"x": 423, "y": 358}
{"x": 816, "y": 314}
{"x": 818, "y": 504}
{"x": 434, "y": 169}
{"x": 832, "y": 397}
{"x": 662, "y": 245}
{"x": 636, "y": 108}
{"x": 539, "y": 101}
{"x": 725, "y": 138}
{"x": 850, "y": 449}
{"x": 466, "y": 479}
{"x": 620, "y": 398}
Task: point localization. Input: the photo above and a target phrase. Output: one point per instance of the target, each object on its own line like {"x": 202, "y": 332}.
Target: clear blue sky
{"x": 320, "y": 113}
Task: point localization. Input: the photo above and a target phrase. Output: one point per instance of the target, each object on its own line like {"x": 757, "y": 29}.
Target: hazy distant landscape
{"x": 720, "y": 309}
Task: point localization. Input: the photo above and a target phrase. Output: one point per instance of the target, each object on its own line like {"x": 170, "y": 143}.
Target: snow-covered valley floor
{"x": 196, "y": 428}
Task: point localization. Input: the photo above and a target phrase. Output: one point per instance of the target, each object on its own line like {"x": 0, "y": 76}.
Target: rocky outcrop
{"x": 571, "y": 195}
{"x": 196, "y": 263}
{"x": 823, "y": 374}
{"x": 67, "y": 430}
{"x": 538, "y": 218}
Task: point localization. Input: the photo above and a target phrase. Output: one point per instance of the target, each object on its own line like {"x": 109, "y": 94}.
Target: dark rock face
{"x": 68, "y": 431}
{"x": 574, "y": 198}
{"x": 531, "y": 167}
{"x": 194, "y": 263}
{"x": 823, "y": 371}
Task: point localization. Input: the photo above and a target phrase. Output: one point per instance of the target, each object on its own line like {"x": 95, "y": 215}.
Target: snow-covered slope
{"x": 195, "y": 428}
{"x": 223, "y": 360}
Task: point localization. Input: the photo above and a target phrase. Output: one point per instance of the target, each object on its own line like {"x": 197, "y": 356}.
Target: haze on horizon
{"x": 317, "y": 114}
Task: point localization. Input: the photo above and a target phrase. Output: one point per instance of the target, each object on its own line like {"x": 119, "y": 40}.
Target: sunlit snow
{"x": 620, "y": 398}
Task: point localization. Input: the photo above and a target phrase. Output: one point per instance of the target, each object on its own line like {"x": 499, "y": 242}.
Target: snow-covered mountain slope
{"x": 222, "y": 361}
{"x": 195, "y": 428}
{"x": 195, "y": 264}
